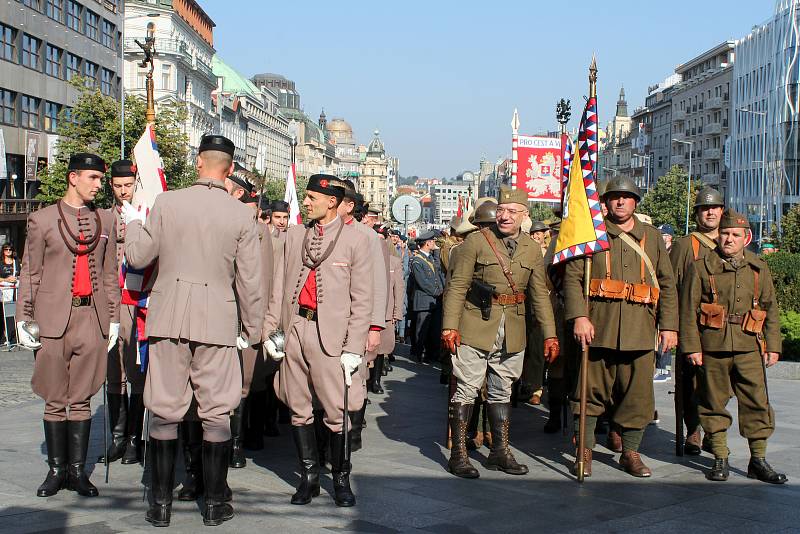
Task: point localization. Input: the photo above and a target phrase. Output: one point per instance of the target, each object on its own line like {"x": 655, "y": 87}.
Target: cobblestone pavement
{"x": 401, "y": 482}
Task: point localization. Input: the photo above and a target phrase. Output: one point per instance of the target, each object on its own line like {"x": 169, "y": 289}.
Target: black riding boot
{"x": 237, "y": 459}
{"x": 192, "y": 437}
{"x": 271, "y": 414}
{"x": 357, "y": 422}
{"x": 55, "y": 437}
{"x": 118, "y": 423}
{"x": 305, "y": 441}
{"x": 133, "y": 450}
{"x": 323, "y": 436}
{"x": 555, "y": 404}
{"x": 162, "y": 479}
{"x": 215, "y": 476}
{"x": 340, "y": 469}
{"x": 378, "y": 373}
{"x": 254, "y": 418}
{"x": 78, "y": 444}
{"x": 501, "y": 457}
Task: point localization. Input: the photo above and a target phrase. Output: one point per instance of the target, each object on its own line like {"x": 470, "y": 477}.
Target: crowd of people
{"x": 211, "y": 320}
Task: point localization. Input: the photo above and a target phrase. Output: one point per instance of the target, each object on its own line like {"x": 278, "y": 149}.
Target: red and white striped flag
{"x": 290, "y": 197}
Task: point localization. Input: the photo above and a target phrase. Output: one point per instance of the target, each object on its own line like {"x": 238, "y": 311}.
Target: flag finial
{"x": 515, "y": 122}
{"x": 593, "y": 77}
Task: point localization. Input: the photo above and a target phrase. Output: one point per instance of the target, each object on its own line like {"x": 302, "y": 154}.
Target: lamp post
{"x": 763, "y": 115}
{"x": 293, "y": 145}
{"x": 689, "y": 182}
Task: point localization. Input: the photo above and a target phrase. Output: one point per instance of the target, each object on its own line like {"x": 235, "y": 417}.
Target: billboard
{"x": 536, "y": 167}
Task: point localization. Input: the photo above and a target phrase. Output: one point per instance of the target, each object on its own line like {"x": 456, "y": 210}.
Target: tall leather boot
{"x": 192, "y": 437}
{"x": 340, "y": 469}
{"x": 271, "y": 414}
{"x": 376, "y": 381}
{"x": 357, "y": 422}
{"x": 215, "y": 476}
{"x": 323, "y": 436}
{"x": 118, "y": 423}
{"x": 77, "y": 446}
{"x": 133, "y": 450}
{"x": 305, "y": 441}
{"x": 501, "y": 457}
{"x": 237, "y": 459}
{"x": 162, "y": 479}
{"x": 555, "y": 405}
{"x": 254, "y": 416}
{"x": 459, "y": 464}
{"x": 55, "y": 437}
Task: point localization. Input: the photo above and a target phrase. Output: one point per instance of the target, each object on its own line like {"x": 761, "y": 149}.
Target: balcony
{"x": 715, "y": 103}
{"x": 204, "y": 69}
{"x": 711, "y": 153}
{"x": 172, "y": 47}
{"x": 711, "y": 179}
{"x": 679, "y": 136}
{"x": 713, "y": 128}
{"x": 677, "y": 160}
{"x": 679, "y": 115}
{"x": 10, "y": 208}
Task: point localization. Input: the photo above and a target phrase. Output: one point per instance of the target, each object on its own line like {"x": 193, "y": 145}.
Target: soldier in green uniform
{"x": 708, "y": 206}
{"x": 497, "y": 270}
{"x": 730, "y": 330}
{"x": 631, "y": 298}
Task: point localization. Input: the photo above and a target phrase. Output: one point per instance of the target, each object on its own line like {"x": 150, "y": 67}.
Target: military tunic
{"x": 425, "y": 301}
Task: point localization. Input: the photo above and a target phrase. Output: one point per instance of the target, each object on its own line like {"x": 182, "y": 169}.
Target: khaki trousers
{"x": 68, "y": 370}
{"x": 307, "y": 376}
{"x": 177, "y": 369}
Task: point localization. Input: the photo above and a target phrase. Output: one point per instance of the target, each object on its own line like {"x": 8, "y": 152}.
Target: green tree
{"x": 95, "y": 126}
{"x": 790, "y": 224}
{"x": 666, "y": 202}
{"x": 539, "y": 211}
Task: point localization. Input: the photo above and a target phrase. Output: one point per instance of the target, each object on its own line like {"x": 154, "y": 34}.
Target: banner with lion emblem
{"x": 536, "y": 167}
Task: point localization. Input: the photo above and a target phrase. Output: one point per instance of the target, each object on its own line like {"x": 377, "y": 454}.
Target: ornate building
{"x": 340, "y": 134}
{"x": 617, "y": 143}
{"x": 374, "y": 171}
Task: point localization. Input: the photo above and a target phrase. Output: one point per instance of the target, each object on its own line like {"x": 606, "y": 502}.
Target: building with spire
{"x": 616, "y": 145}
{"x": 374, "y": 172}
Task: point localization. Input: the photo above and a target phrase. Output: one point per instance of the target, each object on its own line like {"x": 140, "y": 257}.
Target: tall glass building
{"x": 762, "y": 152}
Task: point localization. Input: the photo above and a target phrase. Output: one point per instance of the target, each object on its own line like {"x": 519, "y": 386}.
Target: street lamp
{"x": 646, "y": 172}
{"x": 689, "y": 183}
{"x": 763, "y": 115}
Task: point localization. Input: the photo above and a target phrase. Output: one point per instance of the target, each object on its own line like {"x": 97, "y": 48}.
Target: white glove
{"x": 241, "y": 342}
{"x": 25, "y": 339}
{"x": 350, "y": 363}
{"x": 113, "y": 335}
{"x": 130, "y": 214}
{"x": 274, "y": 354}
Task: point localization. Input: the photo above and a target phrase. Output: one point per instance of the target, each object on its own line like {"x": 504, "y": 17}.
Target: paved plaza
{"x": 401, "y": 483}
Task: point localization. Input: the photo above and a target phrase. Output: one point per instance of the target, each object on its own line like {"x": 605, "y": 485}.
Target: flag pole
{"x": 587, "y": 273}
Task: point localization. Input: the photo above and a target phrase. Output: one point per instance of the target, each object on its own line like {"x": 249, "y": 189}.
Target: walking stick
{"x": 146, "y": 438}
{"x": 105, "y": 426}
{"x": 346, "y": 419}
{"x": 678, "y": 370}
{"x": 587, "y": 273}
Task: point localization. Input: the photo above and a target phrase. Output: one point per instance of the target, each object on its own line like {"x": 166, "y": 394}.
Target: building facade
{"x": 341, "y": 134}
{"x": 374, "y": 173}
{"x": 444, "y": 200}
{"x": 616, "y": 143}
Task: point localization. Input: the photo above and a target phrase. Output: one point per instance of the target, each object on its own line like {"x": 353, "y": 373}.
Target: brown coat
{"x": 206, "y": 245}
{"x": 45, "y": 288}
{"x": 344, "y": 288}
{"x": 681, "y": 255}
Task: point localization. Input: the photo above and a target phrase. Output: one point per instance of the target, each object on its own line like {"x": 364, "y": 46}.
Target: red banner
{"x": 536, "y": 167}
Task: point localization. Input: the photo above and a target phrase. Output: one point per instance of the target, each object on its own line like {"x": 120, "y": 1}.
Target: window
{"x": 90, "y": 73}
{"x": 8, "y": 106}
{"x": 30, "y": 51}
{"x": 51, "y": 116}
{"x": 106, "y": 81}
{"x": 108, "y": 34}
{"x": 72, "y": 66}
{"x": 35, "y": 4}
{"x": 55, "y": 9}
{"x": 29, "y": 112}
{"x": 7, "y": 46}
{"x": 53, "y": 64}
{"x": 74, "y": 15}
{"x": 166, "y": 77}
{"x": 92, "y": 27}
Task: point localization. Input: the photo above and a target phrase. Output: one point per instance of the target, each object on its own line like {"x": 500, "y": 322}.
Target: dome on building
{"x": 376, "y": 146}
{"x": 340, "y": 130}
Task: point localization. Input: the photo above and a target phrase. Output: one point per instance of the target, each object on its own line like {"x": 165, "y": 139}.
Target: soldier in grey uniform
{"x": 427, "y": 283}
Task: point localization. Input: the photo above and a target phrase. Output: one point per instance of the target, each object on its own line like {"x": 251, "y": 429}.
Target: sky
{"x": 440, "y": 79}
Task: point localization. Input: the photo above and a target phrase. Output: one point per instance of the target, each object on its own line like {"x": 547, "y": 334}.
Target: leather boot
{"x": 254, "y": 418}
{"x": 55, "y": 437}
{"x": 271, "y": 414}
{"x": 133, "y": 450}
{"x": 192, "y": 438}
{"x": 760, "y": 469}
{"x": 475, "y": 441}
{"x": 376, "y": 381}
{"x": 237, "y": 459}
{"x": 305, "y": 442}
{"x": 357, "y": 421}
{"x": 118, "y": 423}
{"x": 340, "y": 469}
{"x": 459, "y": 463}
{"x": 720, "y": 471}
{"x": 632, "y": 463}
{"x": 501, "y": 458}
{"x": 77, "y": 446}
{"x": 216, "y": 457}
{"x": 323, "y": 436}
{"x": 614, "y": 440}
{"x": 691, "y": 446}
{"x": 587, "y": 463}
{"x": 555, "y": 405}
{"x": 162, "y": 479}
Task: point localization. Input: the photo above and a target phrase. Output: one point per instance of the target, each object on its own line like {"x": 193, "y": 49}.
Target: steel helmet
{"x": 622, "y": 184}
{"x": 708, "y": 196}
{"x": 485, "y": 213}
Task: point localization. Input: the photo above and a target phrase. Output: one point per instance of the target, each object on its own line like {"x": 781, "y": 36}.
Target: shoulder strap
{"x": 642, "y": 254}
{"x": 500, "y": 260}
{"x": 713, "y": 283}
{"x": 698, "y": 238}
{"x": 755, "y": 288}
{"x": 695, "y": 246}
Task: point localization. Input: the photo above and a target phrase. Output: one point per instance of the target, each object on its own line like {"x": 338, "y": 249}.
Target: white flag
{"x": 290, "y": 197}
{"x": 150, "y": 178}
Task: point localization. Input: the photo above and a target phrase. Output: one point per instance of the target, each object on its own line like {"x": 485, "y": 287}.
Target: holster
{"x": 753, "y": 321}
{"x": 712, "y": 315}
{"x": 480, "y": 295}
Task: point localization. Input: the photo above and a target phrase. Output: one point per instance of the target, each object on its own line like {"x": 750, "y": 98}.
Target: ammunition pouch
{"x": 480, "y": 294}
{"x": 712, "y": 315}
{"x": 643, "y": 294}
{"x": 753, "y": 321}
{"x": 606, "y": 288}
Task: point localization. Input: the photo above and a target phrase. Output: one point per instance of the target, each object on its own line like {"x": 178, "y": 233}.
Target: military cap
{"x": 264, "y": 203}
{"x": 84, "y": 161}
{"x": 326, "y": 184}
{"x": 708, "y": 196}
{"x": 427, "y": 236}
{"x": 279, "y": 206}
{"x": 396, "y": 232}
{"x": 622, "y": 184}
{"x": 455, "y": 221}
{"x": 485, "y": 213}
{"x": 667, "y": 229}
{"x": 123, "y": 168}
{"x": 508, "y": 195}
{"x": 539, "y": 226}
{"x": 216, "y": 142}
{"x": 250, "y": 198}
{"x": 349, "y": 189}
{"x": 241, "y": 182}
{"x": 733, "y": 219}
{"x": 373, "y": 211}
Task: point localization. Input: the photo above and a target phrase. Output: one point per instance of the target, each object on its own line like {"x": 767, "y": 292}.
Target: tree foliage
{"x": 666, "y": 202}
{"x": 540, "y": 211}
{"x": 95, "y": 127}
{"x": 790, "y": 225}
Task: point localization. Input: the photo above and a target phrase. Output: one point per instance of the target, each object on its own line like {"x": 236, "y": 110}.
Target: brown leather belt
{"x": 77, "y": 302}
{"x": 735, "y": 318}
{"x": 307, "y": 313}
{"x": 511, "y": 299}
